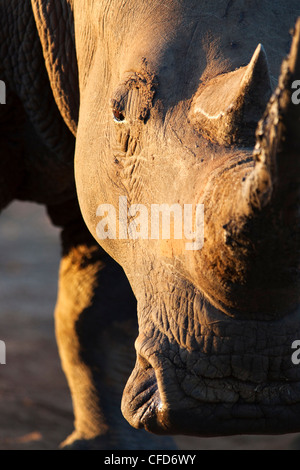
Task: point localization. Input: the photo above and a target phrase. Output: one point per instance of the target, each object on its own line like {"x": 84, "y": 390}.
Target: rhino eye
{"x": 118, "y": 115}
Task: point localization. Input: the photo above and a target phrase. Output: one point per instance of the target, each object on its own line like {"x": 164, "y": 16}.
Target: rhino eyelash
{"x": 118, "y": 116}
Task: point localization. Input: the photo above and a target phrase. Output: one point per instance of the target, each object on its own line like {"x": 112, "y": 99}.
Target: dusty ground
{"x": 35, "y": 407}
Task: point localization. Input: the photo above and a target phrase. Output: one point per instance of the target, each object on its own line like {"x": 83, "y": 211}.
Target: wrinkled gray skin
{"x": 215, "y": 326}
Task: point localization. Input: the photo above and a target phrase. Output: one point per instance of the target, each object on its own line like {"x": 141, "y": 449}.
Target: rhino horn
{"x": 262, "y": 230}
{"x": 228, "y": 107}
{"x": 277, "y": 153}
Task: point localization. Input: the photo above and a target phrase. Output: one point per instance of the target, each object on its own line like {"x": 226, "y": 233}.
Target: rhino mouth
{"x": 141, "y": 402}
{"x": 227, "y": 386}
{"x": 275, "y": 410}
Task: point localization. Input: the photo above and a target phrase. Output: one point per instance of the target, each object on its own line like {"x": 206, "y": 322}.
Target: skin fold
{"x": 159, "y": 102}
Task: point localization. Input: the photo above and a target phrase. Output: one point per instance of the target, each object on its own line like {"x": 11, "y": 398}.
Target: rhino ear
{"x": 55, "y": 25}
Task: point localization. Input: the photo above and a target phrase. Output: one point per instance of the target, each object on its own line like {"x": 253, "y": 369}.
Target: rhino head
{"x": 180, "y": 107}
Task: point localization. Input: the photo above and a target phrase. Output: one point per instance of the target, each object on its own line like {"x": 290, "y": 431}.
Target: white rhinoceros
{"x": 174, "y": 106}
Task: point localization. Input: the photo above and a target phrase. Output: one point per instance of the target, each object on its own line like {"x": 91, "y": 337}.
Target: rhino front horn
{"x": 262, "y": 224}
{"x": 228, "y": 107}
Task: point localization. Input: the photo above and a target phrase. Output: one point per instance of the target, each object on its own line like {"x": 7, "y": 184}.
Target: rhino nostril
{"x": 143, "y": 363}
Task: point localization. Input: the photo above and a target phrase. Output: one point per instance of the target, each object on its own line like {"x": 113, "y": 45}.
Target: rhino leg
{"x": 95, "y": 327}
{"x": 11, "y": 161}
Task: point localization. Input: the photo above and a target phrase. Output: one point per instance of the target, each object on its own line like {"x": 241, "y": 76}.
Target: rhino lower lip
{"x": 160, "y": 401}
{"x": 277, "y": 414}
